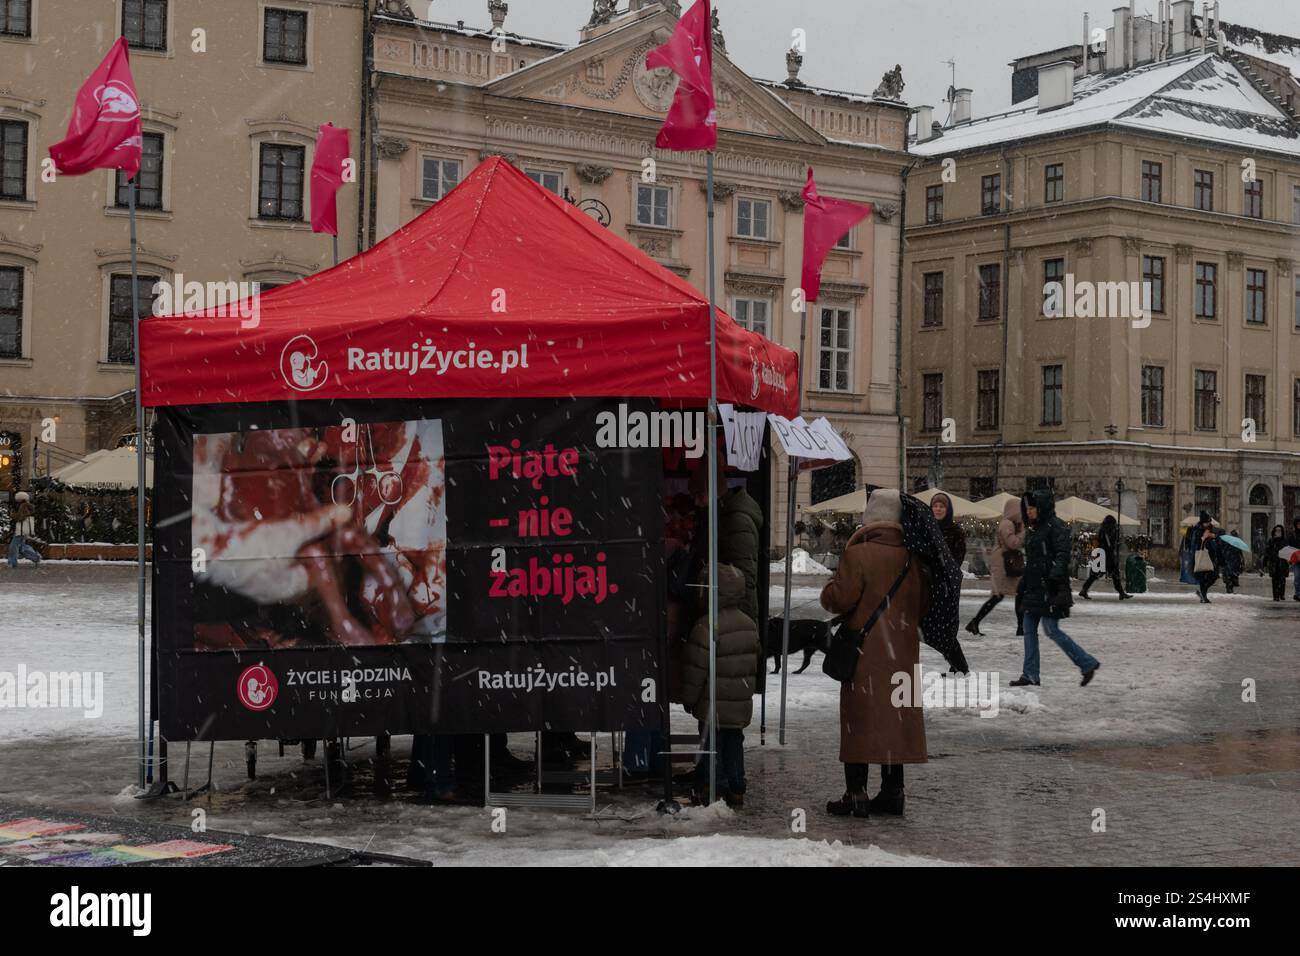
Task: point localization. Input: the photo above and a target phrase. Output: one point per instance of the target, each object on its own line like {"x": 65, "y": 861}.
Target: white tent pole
{"x": 789, "y": 536}
{"x": 713, "y": 500}
{"x": 139, "y": 481}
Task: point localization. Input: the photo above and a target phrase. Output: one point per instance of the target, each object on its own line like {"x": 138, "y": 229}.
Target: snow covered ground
{"x": 1160, "y": 653}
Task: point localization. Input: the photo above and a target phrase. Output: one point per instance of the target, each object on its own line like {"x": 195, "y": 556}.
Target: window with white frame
{"x": 652, "y": 204}
{"x": 144, "y": 24}
{"x": 438, "y": 177}
{"x": 11, "y": 312}
{"x": 121, "y": 317}
{"x": 548, "y": 179}
{"x": 835, "y": 349}
{"x": 752, "y": 218}
{"x": 284, "y": 37}
{"x": 13, "y": 159}
{"x": 753, "y": 314}
{"x": 149, "y": 181}
{"x": 15, "y": 18}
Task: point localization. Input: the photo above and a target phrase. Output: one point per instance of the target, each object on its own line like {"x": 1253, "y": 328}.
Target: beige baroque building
{"x": 232, "y": 94}
{"x": 581, "y": 121}
{"x": 1160, "y": 162}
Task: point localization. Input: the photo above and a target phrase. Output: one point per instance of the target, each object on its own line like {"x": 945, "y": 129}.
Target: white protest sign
{"x": 744, "y": 434}
{"x": 817, "y": 441}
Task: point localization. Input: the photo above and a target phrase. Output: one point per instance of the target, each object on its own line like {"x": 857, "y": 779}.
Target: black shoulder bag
{"x": 841, "y": 659}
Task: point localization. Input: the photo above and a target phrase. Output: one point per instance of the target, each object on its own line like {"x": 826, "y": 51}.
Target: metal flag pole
{"x": 335, "y": 237}
{"x": 139, "y": 477}
{"x": 713, "y": 500}
{"x": 789, "y": 535}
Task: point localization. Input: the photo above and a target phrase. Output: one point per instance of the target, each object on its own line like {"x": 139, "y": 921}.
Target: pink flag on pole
{"x": 104, "y": 132}
{"x": 825, "y": 222}
{"x": 692, "y": 121}
{"x": 327, "y": 177}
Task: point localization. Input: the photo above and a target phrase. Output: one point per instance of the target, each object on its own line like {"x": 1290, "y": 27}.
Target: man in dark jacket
{"x": 1108, "y": 542}
{"x": 1046, "y": 587}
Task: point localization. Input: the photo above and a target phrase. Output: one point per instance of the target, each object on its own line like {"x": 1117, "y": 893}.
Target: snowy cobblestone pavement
{"x": 1185, "y": 771}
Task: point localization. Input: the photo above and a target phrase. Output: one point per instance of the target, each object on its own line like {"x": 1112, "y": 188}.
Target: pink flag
{"x": 327, "y": 177}
{"x": 825, "y": 222}
{"x": 104, "y": 132}
{"x": 692, "y": 121}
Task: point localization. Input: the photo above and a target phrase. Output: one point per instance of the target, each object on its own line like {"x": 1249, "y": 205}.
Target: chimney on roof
{"x": 1182, "y": 27}
{"x": 1055, "y": 85}
{"x": 1117, "y": 41}
{"x": 924, "y": 117}
{"x": 961, "y": 106}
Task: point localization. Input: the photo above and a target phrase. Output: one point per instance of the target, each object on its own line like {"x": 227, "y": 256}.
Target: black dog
{"x": 805, "y": 635}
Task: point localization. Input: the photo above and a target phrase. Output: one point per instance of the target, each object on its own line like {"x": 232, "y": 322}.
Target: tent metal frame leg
{"x": 538, "y": 799}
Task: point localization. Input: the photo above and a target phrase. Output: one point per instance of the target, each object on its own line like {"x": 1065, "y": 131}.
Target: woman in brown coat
{"x": 1010, "y": 540}
{"x": 872, "y": 728}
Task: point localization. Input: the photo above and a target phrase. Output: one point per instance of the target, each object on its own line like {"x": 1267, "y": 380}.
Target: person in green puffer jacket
{"x": 738, "y": 658}
{"x": 740, "y": 528}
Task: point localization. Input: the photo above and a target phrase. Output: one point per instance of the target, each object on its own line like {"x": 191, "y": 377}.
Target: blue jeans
{"x": 641, "y": 751}
{"x": 1081, "y": 658}
{"x": 19, "y": 548}
{"x": 731, "y": 760}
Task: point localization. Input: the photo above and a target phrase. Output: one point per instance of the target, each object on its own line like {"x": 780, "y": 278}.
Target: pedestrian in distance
{"x": 1277, "y": 566}
{"x": 1293, "y": 539}
{"x": 24, "y": 527}
{"x": 1205, "y": 556}
{"x": 941, "y": 508}
{"x": 1047, "y": 593}
{"x": 1230, "y": 559}
{"x": 1007, "y": 567}
{"x": 1108, "y": 542}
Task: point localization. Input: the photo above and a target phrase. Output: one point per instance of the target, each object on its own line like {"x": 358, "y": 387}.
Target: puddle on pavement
{"x": 1275, "y": 750}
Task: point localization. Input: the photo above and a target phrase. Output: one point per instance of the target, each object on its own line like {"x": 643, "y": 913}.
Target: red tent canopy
{"x": 500, "y": 289}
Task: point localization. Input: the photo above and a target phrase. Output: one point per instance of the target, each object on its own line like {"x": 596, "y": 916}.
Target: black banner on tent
{"x": 350, "y": 568}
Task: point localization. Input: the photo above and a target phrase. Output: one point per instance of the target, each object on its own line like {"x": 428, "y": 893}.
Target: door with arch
{"x": 1261, "y": 516}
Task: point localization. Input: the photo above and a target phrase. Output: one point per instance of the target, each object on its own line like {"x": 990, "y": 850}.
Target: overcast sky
{"x": 852, "y": 42}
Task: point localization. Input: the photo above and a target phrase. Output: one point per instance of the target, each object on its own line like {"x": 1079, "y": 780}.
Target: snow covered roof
{"x": 1202, "y": 96}
{"x": 434, "y": 26}
{"x": 1274, "y": 47}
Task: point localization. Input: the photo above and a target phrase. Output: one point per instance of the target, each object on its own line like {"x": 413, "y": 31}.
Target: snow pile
{"x": 801, "y": 562}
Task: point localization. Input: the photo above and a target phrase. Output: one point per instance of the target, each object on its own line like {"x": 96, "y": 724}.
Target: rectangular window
{"x": 149, "y": 183}
{"x": 280, "y": 186}
{"x": 1053, "y": 271}
{"x": 932, "y": 406}
{"x": 1208, "y": 498}
{"x": 986, "y": 399}
{"x": 933, "y": 316}
{"x": 1256, "y": 402}
{"x": 1207, "y": 286}
{"x": 1151, "y": 181}
{"x": 1153, "y": 278}
{"x": 983, "y": 486}
{"x": 991, "y": 194}
{"x": 438, "y": 177}
{"x": 1297, "y": 302}
{"x": 845, "y": 241}
{"x": 15, "y": 18}
{"x": 284, "y": 37}
{"x": 1153, "y": 396}
{"x": 934, "y": 204}
{"x": 1054, "y": 183}
{"x": 1295, "y": 205}
{"x": 752, "y": 314}
{"x": 1160, "y": 513}
{"x": 549, "y": 180}
{"x": 1203, "y": 190}
{"x": 144, "y": 24}
{"x": 1295, "y": 408}
{"x": 121, "y": 323}
{"x": 13, "y": 160}
{"x": 990, "y": 293}
{"x": 1206, "y": 399}
{"x": 1254, "y": 199}
{"x": 752, "y": 217}
{"x": 1256, "y": 296}
{"x": 1053, "y": 395}
{"x": 11, "y": 312}
{"x": 652, "y": 205}
{"x": 835, "y": 351}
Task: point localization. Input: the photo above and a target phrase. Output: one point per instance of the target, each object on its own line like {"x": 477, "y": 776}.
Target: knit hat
{"x": 22, "y": 496}
{"x": 884, "y": 504}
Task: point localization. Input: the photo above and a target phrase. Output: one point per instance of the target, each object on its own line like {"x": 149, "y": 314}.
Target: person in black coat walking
{"x": 941, "y": 508}
{"x": 1277, "y": 566}
{"x": 1045, "y": 587}
{"x": 1108, "y": 542}
{"x": 1204, "y": 538}
{"x": 1293, "y": 539}
{"x": 1230, "y": 561}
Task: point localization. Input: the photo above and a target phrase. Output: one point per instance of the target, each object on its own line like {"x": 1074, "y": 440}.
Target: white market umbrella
{"x": 109, "y": 468}
{"x": 1074, "y": 510}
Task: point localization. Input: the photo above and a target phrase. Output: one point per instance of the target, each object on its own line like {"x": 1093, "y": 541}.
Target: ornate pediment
{"x": 608, "y": 73}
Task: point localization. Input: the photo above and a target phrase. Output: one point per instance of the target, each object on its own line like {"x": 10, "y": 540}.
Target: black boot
{"x": 855, "y": 800}
{"x": 890, "y": 798}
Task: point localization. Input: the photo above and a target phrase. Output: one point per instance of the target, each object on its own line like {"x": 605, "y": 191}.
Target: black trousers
{"x": 993, "y": 602}
{"x": 855, "y": 777}
{"x": 1113, "y": 574}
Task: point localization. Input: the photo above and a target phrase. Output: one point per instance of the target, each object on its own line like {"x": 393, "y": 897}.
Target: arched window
{"x": 839, "y": 479}
{"x": 1260, "y": 495}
